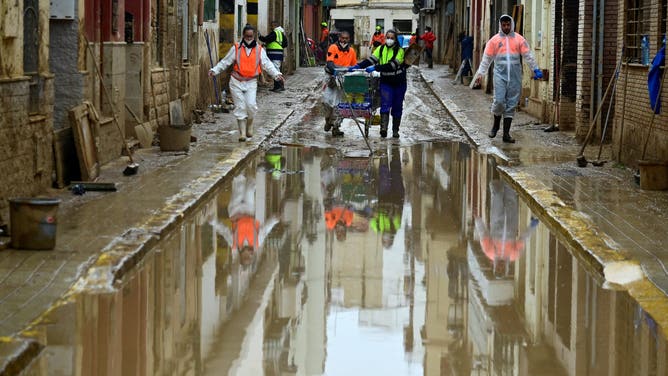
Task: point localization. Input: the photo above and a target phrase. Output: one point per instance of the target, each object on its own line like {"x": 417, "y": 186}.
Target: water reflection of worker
{"x": 502, "y": 243}
{"x": 338, "y": 215}
{"x": 387, "y": 217}
{"x": 274, "y": 161}
{"x": 247, "y": 234}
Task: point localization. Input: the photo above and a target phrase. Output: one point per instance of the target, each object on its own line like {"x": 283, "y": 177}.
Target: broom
{"x": 132, "y": 167}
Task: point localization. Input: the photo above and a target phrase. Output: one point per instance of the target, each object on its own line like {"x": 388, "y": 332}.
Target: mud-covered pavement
{"x": 424, "y": 118}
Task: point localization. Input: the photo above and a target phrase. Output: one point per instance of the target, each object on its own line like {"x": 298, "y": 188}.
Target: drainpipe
{"x": 601, "y": 23}
{"x": 592, "y": 80}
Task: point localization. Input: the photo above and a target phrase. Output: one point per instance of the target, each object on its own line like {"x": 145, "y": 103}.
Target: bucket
{"x": 653, "y": 175}
{"x": 33, "y": 223}
{"x": 174, "y": 139}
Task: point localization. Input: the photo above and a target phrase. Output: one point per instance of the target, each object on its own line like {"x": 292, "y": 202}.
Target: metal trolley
{"x": 361, "y": 97}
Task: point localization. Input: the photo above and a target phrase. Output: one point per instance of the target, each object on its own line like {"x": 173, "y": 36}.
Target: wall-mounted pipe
{"x": 592, "y": 79}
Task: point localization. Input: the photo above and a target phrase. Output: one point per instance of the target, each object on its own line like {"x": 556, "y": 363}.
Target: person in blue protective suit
{"x": 388, "y": 59}
{"x": 505, "y": 50}
{"x": 386, "y": 219}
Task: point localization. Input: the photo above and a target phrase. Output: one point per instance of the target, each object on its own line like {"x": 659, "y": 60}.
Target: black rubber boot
{"x": 506, "y": 131}
{"x": 495, "y": 127}
{"x": 276, "y": 86}
{"x": 384, "y": 121}
{"x": 281, "y": 86}
{"x": 336, "y": 132}
{"x": 396, "y": 122}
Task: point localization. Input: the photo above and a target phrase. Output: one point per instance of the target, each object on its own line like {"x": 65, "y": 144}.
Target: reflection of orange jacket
{"x": 246, "y": 231}
{"x": 337, "y": 214}
{"x": 497, "y": 249}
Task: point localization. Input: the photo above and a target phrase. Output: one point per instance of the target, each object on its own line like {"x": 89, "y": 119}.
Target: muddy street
{"x": 420, "y": 260}
{"x": 424, "y": 118}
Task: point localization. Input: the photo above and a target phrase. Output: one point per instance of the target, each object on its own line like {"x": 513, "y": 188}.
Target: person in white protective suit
{"x": 248, "y": 58}
{"x": 505, "y": 49}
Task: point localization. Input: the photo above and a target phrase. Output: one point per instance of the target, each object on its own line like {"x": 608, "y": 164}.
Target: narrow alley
{"x": 507, "y": 217}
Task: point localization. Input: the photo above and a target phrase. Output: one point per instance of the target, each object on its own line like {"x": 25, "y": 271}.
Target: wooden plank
{"x": 85, "y": 142}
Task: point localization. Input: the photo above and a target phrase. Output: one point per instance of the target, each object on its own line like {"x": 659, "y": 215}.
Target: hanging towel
{"x": 654, "y": 80}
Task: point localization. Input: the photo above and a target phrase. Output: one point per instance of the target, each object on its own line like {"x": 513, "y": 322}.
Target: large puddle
{"x": 421, "y": 261}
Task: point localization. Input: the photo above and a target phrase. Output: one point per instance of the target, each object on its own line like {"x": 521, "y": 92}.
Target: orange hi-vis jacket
{"x": 247, "y": 66}
{"x": 246, "y": 231}
{"x": 380, "y": 38}
{"x": 340, "y": 58}
{"x": 332, "y": 217}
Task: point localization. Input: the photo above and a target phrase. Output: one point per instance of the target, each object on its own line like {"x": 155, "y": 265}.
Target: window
{"x": 31, "y": 52}
{"x": 209, "y": 10}
{"x": 637, "y": 25}
{"x": 380, "y": 22}
{"x": 403, "y": 26}
{"x": 30, "y": 37}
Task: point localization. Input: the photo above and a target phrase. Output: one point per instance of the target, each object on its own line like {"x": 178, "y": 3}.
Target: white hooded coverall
{"x": 505, "y": 50}
{"x": 244, "y": 92}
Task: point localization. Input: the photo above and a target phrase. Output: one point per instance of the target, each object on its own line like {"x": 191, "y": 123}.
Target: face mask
{"x": 343, "y": 45}
{"x": 389, "y": 42}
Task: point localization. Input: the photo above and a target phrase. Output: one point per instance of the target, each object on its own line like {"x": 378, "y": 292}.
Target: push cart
{"x": 361, "y": 97}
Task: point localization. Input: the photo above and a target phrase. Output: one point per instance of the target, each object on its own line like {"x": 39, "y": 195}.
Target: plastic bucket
{"x": 33, "y": 222}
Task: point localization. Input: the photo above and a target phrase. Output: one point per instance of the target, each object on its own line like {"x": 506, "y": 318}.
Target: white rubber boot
{"x": 249, "y": 127}
{"x": 241, "y": 124}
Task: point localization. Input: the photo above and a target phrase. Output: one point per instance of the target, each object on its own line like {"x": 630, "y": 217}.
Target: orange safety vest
{"x": 246, "y": 230}
{"x": 247, "y": 67}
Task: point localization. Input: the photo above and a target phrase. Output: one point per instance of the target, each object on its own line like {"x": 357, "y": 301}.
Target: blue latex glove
{"x": 353, "y": 68}
{"x": 370, "y": 69}
{"x": 537, "y": 74}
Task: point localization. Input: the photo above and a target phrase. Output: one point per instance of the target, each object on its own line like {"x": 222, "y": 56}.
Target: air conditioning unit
{"x": 428, "y": 5}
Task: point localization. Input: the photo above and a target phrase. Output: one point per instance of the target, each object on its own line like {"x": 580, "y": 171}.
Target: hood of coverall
{"x": 512, "y": 25}
{"x": 279, "y": 28}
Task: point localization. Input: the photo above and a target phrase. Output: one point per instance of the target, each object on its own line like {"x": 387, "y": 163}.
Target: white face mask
{"x": 389, "y": 42}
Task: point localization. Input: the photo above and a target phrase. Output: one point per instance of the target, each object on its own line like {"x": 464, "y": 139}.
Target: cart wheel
{"x": 367, "y": 122}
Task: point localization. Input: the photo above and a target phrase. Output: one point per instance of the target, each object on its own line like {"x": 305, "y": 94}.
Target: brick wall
{"x": 583, "y": 76}
{"x": 26, "y": 164}
{"x": 633, "y": 116}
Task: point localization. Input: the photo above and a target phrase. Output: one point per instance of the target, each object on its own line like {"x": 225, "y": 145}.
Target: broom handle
{"x": 111, "y": 104}
{"x": 651, "y": 122}
{"x": 598, "y": 112}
